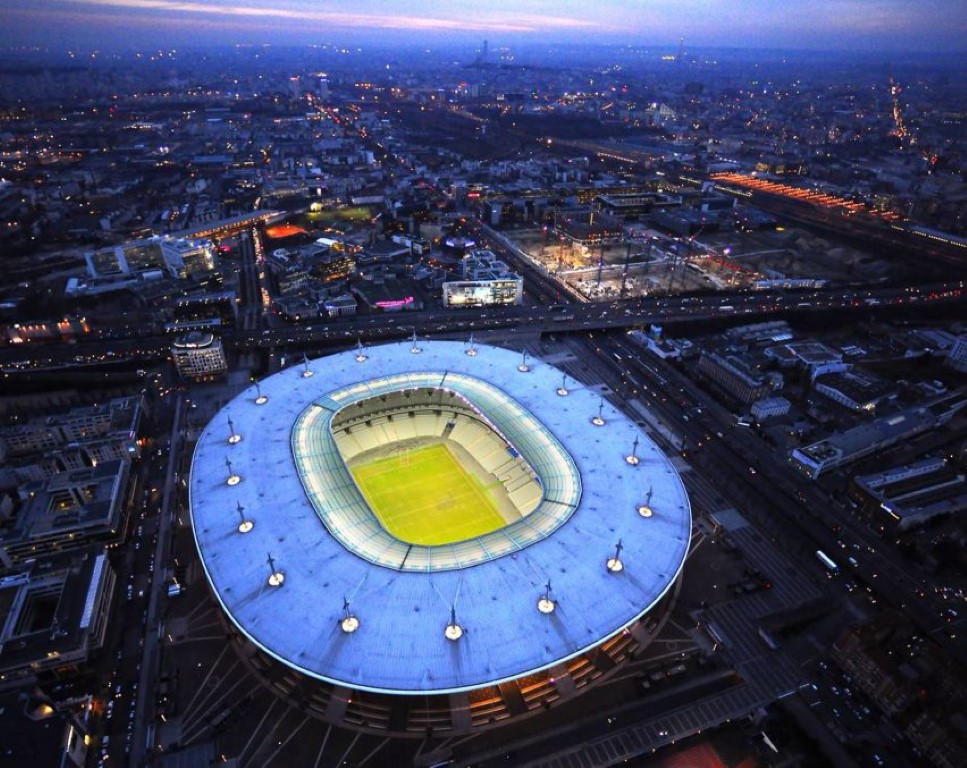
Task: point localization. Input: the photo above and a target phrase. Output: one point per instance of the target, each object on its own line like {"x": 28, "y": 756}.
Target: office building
{"x": 178, "y": 257}
{"x": 199, "y": 355}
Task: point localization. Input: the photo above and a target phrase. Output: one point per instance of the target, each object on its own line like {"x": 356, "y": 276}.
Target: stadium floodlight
{"x": 260, "y": 399}
{"x": 645, "y": 509}
{"x": 233, "y": 479}
{"x": 244, "y": 525}
{"x": 598, "y": 420}
{"x": 614, "y": 564}
{"x": 415, "y": 349}
{"x": 523, "y": 367}
{"x": 472, "y": 352}
{"x": 632, "y": 458}
{"x": 545, "y": 605}
{"x": 349, "y": 623}
{"x": 361, "y": 356}
{"x": 453, "y": 631}
{"x": 306, "y": 371}
{"x": 562, "y": 390}
{"x": 276, "y": 577}
{"x": 233, "y": 436}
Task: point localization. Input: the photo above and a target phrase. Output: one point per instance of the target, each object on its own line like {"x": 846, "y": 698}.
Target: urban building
{"x": 814, "y": 356}
{"x": 387, "y": 294}
{"x": 735, "y": 377}
{"x": 957, "y": 357}
{"x": 198, "y": 355}
{"x": 626, "y": 206}
{"x": 53, "y": 612}
{"x": 856, "y": 390}
{"x": 908, "y": 496}
{"x": 849, "y": 446}
{"x": 771, "y": 332}
{"x": 332, "y": 264}
{"x": 769, "y": 407}
{"x": 178, "y": 257}
{"x": 87, "y": 435}
{"x": 68, "y": 510}
{"x": 939, "y": 740}
{"x": 39, "y": 729}
{"x": 204, "y": 306}
{"x": 340, "y": 306}
{"x": 68, "y": 328}
{"x": 859, "y": 651}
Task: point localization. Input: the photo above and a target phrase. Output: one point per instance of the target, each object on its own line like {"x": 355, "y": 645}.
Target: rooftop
{"x": 399, "y": 644}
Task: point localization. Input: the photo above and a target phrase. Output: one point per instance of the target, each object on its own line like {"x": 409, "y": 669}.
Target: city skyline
{"x": 856, "y": 25}
{"x": 414, "y": 386}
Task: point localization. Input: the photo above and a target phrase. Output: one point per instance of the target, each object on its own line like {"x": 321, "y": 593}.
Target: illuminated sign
{"x": 395, "y": 303}
{"x": 476, "y": 293}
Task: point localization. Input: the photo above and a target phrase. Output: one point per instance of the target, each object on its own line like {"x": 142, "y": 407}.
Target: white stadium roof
{"x": 399, "y": 646}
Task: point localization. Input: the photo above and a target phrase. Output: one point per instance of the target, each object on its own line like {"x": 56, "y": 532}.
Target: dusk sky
{"x": 859, "y": 25}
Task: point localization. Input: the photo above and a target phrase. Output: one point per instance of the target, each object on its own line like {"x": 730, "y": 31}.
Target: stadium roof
{"x": 399, "y": 645}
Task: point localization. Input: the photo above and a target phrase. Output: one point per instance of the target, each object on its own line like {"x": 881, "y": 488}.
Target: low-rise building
{"x": 180, "y": 257}
{"x": 770, "y": 406}
{"x": 937, "y": 739}
{"x": 957, "y": 356}
{"x": 859, "y": 391}
{"x": 849, "y": 446}
{"x": 341, "y": 306}
{"x": 66, "y": 511}
{"x": 814, "y": 356}
{"x": 388, "y": 294}
{"x": 199, "y": 355}
{"x": 904, "y": 497}
{"x": 858, "y": 651}
{"x": 53, "y": 612}
{"x": 44, "y": 732}
{"x": 95, "y": 433}
{"x": 735, "y": 377}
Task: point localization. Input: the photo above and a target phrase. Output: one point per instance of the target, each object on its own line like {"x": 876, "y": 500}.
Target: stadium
{"x": 432, "y": 535}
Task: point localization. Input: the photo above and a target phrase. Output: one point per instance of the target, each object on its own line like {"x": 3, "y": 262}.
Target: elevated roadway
{"x": 731, "y": 308}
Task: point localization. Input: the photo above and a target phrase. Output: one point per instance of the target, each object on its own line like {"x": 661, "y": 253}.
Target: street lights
{"x": 276, "y": 577}
{"x": 632, "y": 458}
{"x": 613, "y": 563}
{"x": 244, "y": 525}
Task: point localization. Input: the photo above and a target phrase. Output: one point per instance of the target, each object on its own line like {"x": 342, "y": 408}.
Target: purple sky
{"x": 859, "y": 25}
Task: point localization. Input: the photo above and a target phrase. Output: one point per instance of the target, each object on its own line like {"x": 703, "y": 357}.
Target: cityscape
{"x": 429, "y": 390}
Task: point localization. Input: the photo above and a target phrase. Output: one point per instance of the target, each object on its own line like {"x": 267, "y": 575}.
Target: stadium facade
{"x": 366, "y": 630}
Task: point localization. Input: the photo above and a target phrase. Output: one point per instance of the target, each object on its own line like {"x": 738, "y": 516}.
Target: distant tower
{"x": 483, "y": 53}
{"x": 681, "y": 50}
{"x": 899, "y": 129}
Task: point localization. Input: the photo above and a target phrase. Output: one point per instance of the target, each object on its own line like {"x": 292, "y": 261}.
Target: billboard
{"x": 479, "y": 293}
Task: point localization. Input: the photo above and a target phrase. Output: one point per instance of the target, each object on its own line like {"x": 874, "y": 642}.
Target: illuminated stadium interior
{"x": 370, "y": 630}
{"x": 537, "y": 476}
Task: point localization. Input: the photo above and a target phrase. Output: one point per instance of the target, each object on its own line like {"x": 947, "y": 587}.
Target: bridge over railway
{"x": 737, "y": 307}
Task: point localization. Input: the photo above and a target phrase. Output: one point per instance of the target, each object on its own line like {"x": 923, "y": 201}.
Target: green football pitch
{"x": 423, "y": 496}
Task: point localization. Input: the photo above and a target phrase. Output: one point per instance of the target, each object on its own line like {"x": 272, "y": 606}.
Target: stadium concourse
{"x": 401, "y": 633}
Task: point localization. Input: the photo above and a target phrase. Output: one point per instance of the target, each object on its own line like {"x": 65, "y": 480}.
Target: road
{"x": 740, "y": 306}
{"x": 805, "y": 516}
